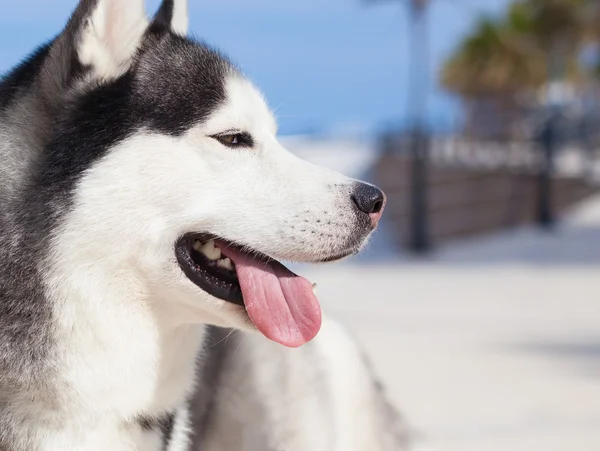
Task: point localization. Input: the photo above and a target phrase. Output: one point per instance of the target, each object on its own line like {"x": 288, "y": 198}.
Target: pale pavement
{"x": 489, "y": 345}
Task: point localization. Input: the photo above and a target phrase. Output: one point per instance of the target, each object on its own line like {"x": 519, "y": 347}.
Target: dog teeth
{"x": 212, "y": 253}
{"x": 198, "y": 246}
{"x": 314, "y": 288}
{"x": 226, "y": 264}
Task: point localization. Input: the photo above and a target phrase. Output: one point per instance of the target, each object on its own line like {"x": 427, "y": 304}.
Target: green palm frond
{"x": 511, "y": 54}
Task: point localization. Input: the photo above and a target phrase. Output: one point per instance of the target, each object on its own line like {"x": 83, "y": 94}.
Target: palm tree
{"x": 494, "y": 61}
{"x": 535, "y": 42}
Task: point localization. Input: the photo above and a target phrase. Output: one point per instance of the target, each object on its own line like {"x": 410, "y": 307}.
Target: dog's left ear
{"x": 173, "y": 14}
{"x": 110, "y": 35}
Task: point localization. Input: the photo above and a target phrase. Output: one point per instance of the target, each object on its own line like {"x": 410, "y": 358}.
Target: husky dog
{"x": 144, "y": 204}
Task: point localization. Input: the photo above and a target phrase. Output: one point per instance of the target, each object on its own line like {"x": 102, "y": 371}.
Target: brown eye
{"x": 230, "y": 140}
{"x": 235, "y": 139}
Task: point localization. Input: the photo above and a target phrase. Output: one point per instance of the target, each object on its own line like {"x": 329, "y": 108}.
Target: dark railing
{"x": 474, "y": 184}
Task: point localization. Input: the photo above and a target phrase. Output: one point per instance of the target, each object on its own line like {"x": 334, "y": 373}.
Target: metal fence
{"x": 467, "y": 184}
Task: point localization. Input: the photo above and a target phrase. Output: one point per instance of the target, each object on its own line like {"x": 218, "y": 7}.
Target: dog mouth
{"x": 281, "y": 304}
{"x": 206, "y": 266}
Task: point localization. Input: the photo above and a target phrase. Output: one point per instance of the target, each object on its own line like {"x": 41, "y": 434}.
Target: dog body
{"x": 144, "y": 196}
{"x": 321, "y": 397}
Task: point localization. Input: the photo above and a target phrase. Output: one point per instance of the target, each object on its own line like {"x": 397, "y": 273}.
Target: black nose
{"x": 369, "y": 199}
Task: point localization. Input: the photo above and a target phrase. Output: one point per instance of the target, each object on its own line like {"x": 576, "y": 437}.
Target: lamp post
{"x": 417, "y": 112}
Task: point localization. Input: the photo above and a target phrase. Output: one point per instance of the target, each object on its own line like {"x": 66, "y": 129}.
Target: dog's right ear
{"x": 105, "y": 35}
{"x": 173, "y": 14}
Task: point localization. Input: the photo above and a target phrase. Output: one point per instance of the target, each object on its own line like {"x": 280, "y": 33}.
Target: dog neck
{"x": 120, "y": 355}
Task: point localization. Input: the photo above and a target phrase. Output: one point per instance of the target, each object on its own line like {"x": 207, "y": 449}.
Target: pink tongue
{"x": 280, "y": 303}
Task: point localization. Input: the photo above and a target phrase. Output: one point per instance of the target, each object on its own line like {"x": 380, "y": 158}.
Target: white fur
{"x": 358, "y": 424}
{"x": 128, "y": 320}
{"x": 180, "y": 21}
{"x": 285, "y": 192}
{"x": 111, "y": 36}
{"x": 180, "y": 438}
{"x": 320, "y": 398}
{"x": 128, "y": 324}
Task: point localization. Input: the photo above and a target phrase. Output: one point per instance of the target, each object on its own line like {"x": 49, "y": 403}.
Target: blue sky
{"x": 324, "y": 65}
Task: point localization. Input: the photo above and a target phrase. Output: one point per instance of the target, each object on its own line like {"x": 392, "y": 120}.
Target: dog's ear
{"x": 173, "y": 14}
{"x": 106, "y": 34}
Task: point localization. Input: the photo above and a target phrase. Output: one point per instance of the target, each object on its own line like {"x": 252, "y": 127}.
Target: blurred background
{"x": 478, "y": 300}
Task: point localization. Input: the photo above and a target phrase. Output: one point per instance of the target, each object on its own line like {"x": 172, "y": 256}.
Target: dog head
{"x": 166, "y": 180}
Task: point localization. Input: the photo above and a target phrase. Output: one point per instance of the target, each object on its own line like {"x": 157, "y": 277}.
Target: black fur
{"x": 173, "y": 84}
{"x": 19, "y": 80}
{"x": 164, "y": 424}
{"x": 147, "y": 424}
{"x": 164, "y": 16}
{"x": 219, "y": 344}
{"x": 178, "y": 82}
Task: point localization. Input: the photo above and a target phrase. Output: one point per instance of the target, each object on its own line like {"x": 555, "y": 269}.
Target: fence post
{"x": 417, "y": 104}
{"x": 419, "y": 227}
{"x": 548, "y": 141}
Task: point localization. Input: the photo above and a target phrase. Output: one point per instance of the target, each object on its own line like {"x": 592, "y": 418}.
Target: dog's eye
{"x": 230, "y": 140}
{"x": 235, "y": 139}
